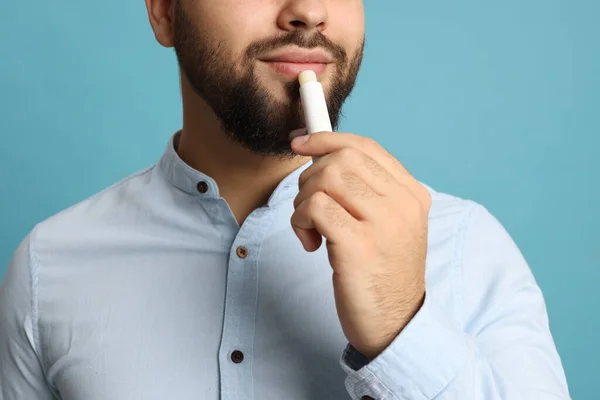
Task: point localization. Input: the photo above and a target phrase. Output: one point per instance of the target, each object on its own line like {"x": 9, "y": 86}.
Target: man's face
{"x": 243, "y": 58}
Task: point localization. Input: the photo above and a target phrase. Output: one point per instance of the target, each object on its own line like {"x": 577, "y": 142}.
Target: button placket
{"x": 237, "y": 341}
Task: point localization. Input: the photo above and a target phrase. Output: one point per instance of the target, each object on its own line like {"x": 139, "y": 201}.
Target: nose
{"x": 307, "y": 15}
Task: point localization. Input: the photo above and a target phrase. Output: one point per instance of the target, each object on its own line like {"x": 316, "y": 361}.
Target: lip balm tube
{"x": 314, "y": 104}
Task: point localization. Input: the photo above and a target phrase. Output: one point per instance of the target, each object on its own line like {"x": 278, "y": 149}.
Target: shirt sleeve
{"x": 21, "y": 375}
{"x": 498, "y": 347}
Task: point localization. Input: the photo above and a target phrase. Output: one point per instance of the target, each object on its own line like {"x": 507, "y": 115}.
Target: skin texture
{"x": 238, "y": 114}
{"x": 373, "y": 215}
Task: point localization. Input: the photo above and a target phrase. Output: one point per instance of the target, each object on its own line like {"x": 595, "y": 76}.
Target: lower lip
{"x": 292, "y": 70}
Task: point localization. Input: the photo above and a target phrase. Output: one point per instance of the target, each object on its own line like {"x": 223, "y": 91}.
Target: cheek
{"x": 230, "y": 25}
{"x": 347, "y": 25}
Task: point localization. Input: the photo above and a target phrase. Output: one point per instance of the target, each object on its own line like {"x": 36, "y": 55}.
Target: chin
{"x": 281, "y": 93}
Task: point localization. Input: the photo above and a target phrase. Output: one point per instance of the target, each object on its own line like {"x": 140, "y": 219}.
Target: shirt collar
{"x": 196, "y": 183}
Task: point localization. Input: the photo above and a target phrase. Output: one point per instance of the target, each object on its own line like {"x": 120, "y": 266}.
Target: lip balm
{"x": 314, "y": 104}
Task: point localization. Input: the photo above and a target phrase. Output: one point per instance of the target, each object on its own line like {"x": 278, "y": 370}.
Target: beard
{"x": 249, "y": 113}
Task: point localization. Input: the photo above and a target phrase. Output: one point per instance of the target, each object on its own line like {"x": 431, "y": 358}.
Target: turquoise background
{"x": 498, "y": 102}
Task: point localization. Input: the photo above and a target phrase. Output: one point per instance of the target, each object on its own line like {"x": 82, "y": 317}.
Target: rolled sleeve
{"x": 431, "y": 344}
{"x": 500, "y": 349}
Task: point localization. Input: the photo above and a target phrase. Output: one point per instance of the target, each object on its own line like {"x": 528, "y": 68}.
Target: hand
{"x": 373, "y": 215}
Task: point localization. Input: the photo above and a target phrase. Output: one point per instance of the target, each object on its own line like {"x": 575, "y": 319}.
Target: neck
{"x": 245, "y": 179}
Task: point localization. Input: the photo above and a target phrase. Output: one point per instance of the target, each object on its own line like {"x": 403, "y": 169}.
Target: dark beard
{"x": 248, "y": 112}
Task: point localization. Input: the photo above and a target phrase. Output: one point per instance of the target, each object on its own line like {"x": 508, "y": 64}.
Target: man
{"x": 206, "y": 276}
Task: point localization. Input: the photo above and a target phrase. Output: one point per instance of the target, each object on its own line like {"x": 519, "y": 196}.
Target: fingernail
{"x": 298, "y": 132}
{"x": 300, "y": 140}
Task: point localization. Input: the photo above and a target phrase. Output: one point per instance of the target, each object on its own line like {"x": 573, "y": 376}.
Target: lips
{"x": 291, "y": 63}
{"x": 300, "y": 57}
{"x": 292, "y": 70}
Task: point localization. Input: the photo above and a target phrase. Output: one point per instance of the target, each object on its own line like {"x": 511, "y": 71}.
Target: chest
{"x": 214, "y": 325}
{"x": 248, "y": 317}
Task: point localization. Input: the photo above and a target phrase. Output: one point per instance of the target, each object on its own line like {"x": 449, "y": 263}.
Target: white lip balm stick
{"x": 314, "y": 104}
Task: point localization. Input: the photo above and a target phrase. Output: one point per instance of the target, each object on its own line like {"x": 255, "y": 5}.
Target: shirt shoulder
{"x": 92, "y": 217}
{"x": 449, "y": 216}
{"x": 479, "y": 257}
{"x": 470, "y": 233}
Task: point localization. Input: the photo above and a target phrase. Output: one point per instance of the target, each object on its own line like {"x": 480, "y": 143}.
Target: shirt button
{"x": 242, "y": 252}
{"x": 237, "y": 356}
{"x": 202, "y": 187}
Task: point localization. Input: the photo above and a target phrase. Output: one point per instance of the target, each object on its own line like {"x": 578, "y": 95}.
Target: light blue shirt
{"x": 150, "y": 290}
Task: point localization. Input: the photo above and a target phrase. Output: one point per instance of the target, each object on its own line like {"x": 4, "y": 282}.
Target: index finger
{"x": 322, "y": 143}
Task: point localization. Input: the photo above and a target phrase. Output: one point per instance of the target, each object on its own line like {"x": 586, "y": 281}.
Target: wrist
{"x": 406, "y": 315}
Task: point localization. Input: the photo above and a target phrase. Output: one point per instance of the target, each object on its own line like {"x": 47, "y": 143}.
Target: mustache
{"x": 300, "y": 39}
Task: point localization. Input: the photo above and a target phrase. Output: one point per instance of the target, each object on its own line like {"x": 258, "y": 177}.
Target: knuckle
{"x": 330, "y": 172}
{"x": 427, "y": 199}
{"x": 329, "y": 177}
{"x": 317, "y": 201}
{"x": 423, "y": 196}
{"x": 348, "y": 155}
{"x": 369, "y": 143}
